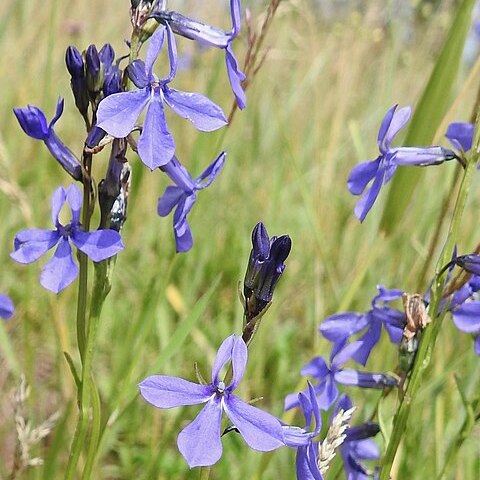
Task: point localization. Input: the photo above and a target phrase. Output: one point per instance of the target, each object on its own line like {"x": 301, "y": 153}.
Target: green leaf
{"x": 428, "y": 115}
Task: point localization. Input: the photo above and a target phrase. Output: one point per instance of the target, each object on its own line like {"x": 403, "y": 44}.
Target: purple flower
{"x": 199, "y": 442}
{"x": 214, "y": 37}
{"x": 60, "y": 271}
{"x": 470, "y": 263}
{"x": 34, "y": 124}
{"x": 383, "y": 167}
{"x": 118, "y": 113}
{"x": 295, "y": 437}
{"x": 328, "y": 376}
{"x": 357, "y": 445}
{"x": 183, "y": 196}
{"x": 341, "y": 326}
{"x": 6, "y": 307}
{"x": 265, "y": 267}
{"x": 460, "y": 135}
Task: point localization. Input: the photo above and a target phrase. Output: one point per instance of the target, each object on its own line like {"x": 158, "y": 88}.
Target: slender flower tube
{"x": 60, "y": 271}
{"x": 183, "y": 195}
{"x": 118, "y": 113}
{"x": 34, "y": 124}
{"x": 199, "y": 442}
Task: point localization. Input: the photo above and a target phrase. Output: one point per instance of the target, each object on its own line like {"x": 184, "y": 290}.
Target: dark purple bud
{"x": 470, "y": 263}
{"x": 137, "y": 74}
{"x": 95, "y": 70}
{"x": 74, "y": 61}
{"x": 265, "y": 266}
{"x": 33, "y": 121}
{"x": 113, "y": 82}
{"x": 361, "y": 432}
{"x": 106, "y": 55}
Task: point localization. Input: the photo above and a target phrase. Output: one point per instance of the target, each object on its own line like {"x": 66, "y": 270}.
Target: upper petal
{"x": 33, "y": 121}
{"x": 74, "y": 199}
{"x": 239, "y": 361}
{"x": 200, "y": 110}
{"x": 259, "y": 429}
{"x": 364, "y": 205}
{"x": 211, "y": 172}
{"x": 118, "y": 112}
{"x": 31, "y": 244}
{"x": 60, "y": 271}
{"x": 98, "y": 245}
{"x": 169, "y": 200}
{"x": 236, "y": 77}
{"x": 156, "y": 145}
{"x": 224, "y": 354}
{"x": 59, "y": 197}
{"x": 199, "y": 442}
{"x": 460, "y": 135}
{"x": 164, "y": 391}
{"x": 154, "y": 48}
{"x": 398, "y": 121}
{"x": 316, "y": 368}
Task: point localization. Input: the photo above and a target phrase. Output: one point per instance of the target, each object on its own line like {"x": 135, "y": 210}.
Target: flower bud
{"x": 95, "y": 71}
{"x": 78, "y": 81}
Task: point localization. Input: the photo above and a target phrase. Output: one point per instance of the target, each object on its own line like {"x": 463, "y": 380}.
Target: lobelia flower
{"x": 265, "y": 267}
{"x": 118, "y": 112}
{"x": 357, "y": 445}
{"x": 183, "y": 196}
{"x": 199, "y": 442}
{"x": 60, "y": 271}
{"x": 214, "y": 37}
{"x": 307, "y": 449}
{"x": 6, "y": 307}
{"x": 328, "y": 376}
{"x": 34, "y": 124}
{"x": 383, "y": 167}
{"x": 341, "y": 326}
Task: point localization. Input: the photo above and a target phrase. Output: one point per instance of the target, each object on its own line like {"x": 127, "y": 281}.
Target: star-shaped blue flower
{"x": 183, "y": 195}
{"x": 60, "y": 271}
{"x": 118, "y": 113}
{"x": 199, "y": 442}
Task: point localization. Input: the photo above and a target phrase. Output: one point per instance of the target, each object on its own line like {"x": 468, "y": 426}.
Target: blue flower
{"x": 383, "y": 167}
{"x": 460, "y": 135}
{"x": 183, "y": 196}
{"x": 60, "y": 271}
{"x": 118, "y": 113}
{"x": 341, "y": 326}
{"x": 328, "y": 376}
{"x": 34, "y": 124}
{"x": 199, "y": 442}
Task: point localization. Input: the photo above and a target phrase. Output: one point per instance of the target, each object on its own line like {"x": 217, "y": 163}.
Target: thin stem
{"x": 423, "y": 357}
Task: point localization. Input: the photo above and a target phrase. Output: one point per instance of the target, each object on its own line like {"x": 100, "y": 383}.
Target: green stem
{"x": 205, "y": 473}
{"x": 429, "y": 336}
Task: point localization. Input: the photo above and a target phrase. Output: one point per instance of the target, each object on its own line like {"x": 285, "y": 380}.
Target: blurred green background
{"x": 332, "y": 70}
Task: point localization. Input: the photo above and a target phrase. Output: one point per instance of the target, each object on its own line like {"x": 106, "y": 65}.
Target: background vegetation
{"x": 313, "y": 113}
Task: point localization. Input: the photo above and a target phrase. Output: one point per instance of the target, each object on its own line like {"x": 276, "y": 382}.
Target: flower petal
{"x": 163, "y": 391}
{"x": 156, "y": 145}
{"x": 224, "y": 354}
{"x": 342, "y": 325}
{"x": 467, "y": 317}
{"x": 31, "y": 244}
{"x": 368, "y": 340}
{"x": 199, "y": 442}
{"x": 118, "y": 112}
{"x": 302, "y": 466}
{"x": 74, "y": 199}
{"x": 317, "y": 368}
{"x": 200, "y": 110}
{"x": 59, "y": 197}
{"x": 236, "y": 77}
{"x": 60, "y": 271}
{"x": 98, "y": 245}
{"x": 361, "y": 175}
{"x": 169, "y": 200}
{"x": 260, "y": 430}
{"x": 33, "y": 121}
{"x": 398, "y": 120}
{"x": 239, "y": 362}
{"x": 154, "y": 48}
{"x": 352, "y": 377}
{"x": 460, "y": 135}
{"x": 6, "y": 307}
{"x": 211, "y": 172}
{"x": 364, "y": 205}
